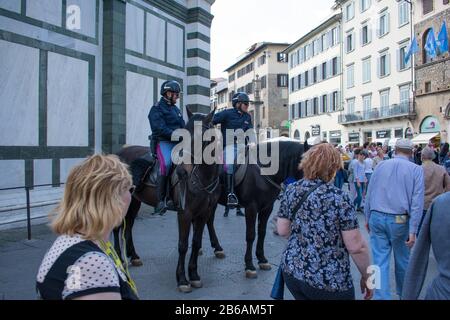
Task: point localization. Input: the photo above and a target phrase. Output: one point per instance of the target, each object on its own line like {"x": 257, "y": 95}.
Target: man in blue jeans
{"x": 394, "y": 206}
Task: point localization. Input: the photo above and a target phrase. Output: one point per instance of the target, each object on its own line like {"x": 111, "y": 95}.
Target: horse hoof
{"x": 186, "y": 288}
{"x": 196, "y": 284}
{"x": 219, "y": 254}
{"x": 200, "y": 252}
{"x": 136, "y": 262}
{"x": 265, "y": 266}
{"x": 251, "y": 274}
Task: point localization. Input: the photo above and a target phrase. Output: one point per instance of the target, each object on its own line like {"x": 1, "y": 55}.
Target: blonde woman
{"x": 323, "y": 231}
{"x": 81, "y": 264}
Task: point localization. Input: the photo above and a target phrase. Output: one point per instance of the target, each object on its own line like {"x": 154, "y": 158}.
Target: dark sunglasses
{"x": 132, "y": 189}
{"x": 245, "y": 103}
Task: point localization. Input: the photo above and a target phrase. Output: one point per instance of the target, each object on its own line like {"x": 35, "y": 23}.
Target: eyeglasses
{"x": 132, "y": 189}
{"x": 245, "y": 103}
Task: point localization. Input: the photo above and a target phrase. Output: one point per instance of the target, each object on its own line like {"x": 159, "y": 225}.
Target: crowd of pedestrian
{"x": 403, "y": 192}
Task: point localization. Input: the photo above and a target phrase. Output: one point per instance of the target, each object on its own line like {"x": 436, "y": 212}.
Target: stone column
{"x": 198, "y": 55}
{"x": 114, "y": 75}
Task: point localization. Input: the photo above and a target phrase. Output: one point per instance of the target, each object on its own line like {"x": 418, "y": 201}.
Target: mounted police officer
{"x": 165, "y": 117}
{"x": 234, "y": 119}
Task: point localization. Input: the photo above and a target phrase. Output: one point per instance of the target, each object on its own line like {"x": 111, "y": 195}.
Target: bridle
{"x": 194, "y": 178}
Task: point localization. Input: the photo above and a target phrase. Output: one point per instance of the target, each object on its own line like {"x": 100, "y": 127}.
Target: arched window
{"x": 447, "y": 111}
{"x": 426, "y": 58}
{"x": 307, "y": 135}
{"x": 297, "y": 135}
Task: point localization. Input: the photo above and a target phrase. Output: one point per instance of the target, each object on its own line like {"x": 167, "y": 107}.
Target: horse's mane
{"x": 290, "y": 153}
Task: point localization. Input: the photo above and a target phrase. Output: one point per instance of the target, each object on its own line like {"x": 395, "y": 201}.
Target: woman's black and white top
{"x": 75, "y": 267}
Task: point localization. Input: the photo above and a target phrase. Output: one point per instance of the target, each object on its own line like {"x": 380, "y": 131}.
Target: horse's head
{"x": 200, "y": 127}
{"x": 205, "y": 119}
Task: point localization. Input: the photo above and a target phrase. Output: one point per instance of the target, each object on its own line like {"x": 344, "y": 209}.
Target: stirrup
{"x": 170, "y": 205}
{"x": 161, "y": 208}
{"x": 232, "y": 201}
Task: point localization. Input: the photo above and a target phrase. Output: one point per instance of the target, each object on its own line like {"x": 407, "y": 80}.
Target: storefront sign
{"x": 430, "y": 125}
{"x": 315, "y": 131}
{"x": 383, "y": 134}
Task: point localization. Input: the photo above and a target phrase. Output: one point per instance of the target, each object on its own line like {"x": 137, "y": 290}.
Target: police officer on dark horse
{"x": 165, "y": 117}
{"x": 233, "y": 119}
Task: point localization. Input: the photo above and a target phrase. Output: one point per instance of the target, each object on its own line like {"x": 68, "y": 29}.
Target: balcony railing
{"x": 396, "y": 110}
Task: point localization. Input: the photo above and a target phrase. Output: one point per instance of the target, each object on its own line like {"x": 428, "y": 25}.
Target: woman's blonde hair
{"x": 321, "y": 162}
{"x": 92, "y": 203}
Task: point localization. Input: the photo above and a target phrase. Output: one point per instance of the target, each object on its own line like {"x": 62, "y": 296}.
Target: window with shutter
{"x": 427, "y": 6}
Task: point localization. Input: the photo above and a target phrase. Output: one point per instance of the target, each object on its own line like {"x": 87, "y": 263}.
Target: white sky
{"x": 238, "y": 24}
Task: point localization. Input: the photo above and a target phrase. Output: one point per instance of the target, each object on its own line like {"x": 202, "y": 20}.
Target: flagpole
{"x": 413, "y": 58}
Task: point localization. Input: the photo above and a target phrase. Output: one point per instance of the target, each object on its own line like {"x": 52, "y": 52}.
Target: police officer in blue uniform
{"x": 234, "y": 119}
{"x": 165, "y": 117}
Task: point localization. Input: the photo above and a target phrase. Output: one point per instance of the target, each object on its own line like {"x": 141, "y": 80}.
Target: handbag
{"x": 278, "y": 285}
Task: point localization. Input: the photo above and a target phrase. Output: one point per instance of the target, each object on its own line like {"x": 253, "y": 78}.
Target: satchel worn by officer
{"x": 278, "y": 286}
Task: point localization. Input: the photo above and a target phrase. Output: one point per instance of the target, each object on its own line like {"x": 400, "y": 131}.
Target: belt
{"x": 390, "y": 214}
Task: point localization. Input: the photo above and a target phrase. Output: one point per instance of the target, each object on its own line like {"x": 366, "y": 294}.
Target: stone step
{"x": 38, "y": 197}
{"x": 13, "y": 206}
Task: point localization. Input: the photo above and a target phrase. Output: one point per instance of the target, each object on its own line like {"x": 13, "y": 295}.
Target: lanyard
{"x": 110, "y": 252}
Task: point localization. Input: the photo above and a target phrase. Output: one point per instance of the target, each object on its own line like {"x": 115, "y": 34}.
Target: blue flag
{"x": 442, "y": 39}
{"x": 431, "y": 45}
{"x": 413, "y": 49}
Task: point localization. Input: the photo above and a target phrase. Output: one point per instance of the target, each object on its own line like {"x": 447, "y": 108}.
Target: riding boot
{"x": 170, "y": 205}
{"x": 239, "y": 212}
{"x": 161, "y": 188}
{"x": 232, "y": 200}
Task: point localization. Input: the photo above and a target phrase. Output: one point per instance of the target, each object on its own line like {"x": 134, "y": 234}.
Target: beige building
{"x": 219, "y": 88}
{"x": 263, "y": 67}
{"x": 432, "y": 75}
{"x": 377, "y": 83}
{"x": 315, "y": 84}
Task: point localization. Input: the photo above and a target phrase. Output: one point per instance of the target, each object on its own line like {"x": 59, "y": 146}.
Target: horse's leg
{"x": 198, "y": 226}
{"x": 263, "y": 217}
{"x": 250, "y": 220}
{"x": 184, "y": 226}
{"x": 218, "y": 250}
{"x": 135, "y": 205}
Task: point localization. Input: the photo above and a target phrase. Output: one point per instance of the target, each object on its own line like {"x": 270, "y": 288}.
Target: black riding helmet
{"x": 240, "y": 97}
{"x": 171, "y": 85}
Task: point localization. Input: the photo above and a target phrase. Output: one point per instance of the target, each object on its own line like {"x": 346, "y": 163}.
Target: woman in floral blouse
{"x": 322, "y": 233}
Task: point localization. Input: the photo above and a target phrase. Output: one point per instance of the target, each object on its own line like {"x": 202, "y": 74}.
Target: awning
{"x": 392, "y": 142}
{"x": 424, "y": 138}
{"x": 314, "y": 140}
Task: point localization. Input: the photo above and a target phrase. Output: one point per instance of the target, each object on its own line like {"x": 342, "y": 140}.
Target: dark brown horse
{"x": 197, "y": 188}
{"x": 257, "y": 194}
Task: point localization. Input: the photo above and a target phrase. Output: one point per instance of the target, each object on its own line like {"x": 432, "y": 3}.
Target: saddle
{"x": 240, "y": 171}
{"x": 145, "y": 169}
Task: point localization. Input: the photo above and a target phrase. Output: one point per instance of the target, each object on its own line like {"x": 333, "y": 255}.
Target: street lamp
{"x": 257, "y": 101}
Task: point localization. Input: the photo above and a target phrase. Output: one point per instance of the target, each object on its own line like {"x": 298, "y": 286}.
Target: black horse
{"x": 257, "y": 194}
{"x": 197, "y": 188}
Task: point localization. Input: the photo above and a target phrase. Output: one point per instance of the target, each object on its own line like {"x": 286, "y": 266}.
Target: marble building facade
{"x": 79, "y": 77}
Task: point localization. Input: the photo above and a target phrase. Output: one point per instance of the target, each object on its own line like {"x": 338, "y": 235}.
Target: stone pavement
{"x": 156, "y": 242}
